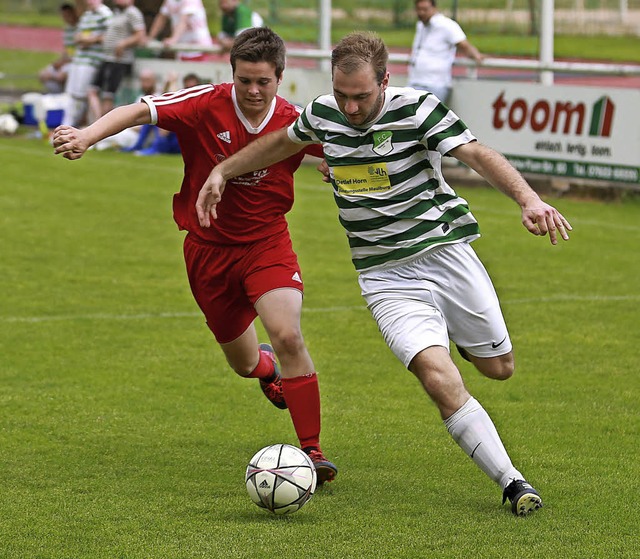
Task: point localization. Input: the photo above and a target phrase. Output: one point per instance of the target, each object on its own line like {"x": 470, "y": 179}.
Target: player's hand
{"x": 323, "y": 167}
{"x": 70, "y": 142}
{"x": 541, "y": 218}
{"x": 208, "y": 198}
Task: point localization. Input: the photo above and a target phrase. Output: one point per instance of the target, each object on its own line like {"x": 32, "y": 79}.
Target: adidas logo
{"x": 225, "y": 136}
{"x": 296, "y": 277}
{"x": 264, "y": 484}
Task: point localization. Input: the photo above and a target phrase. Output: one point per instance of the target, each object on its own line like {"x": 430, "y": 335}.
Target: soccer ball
{"x": 280, "y": 478}
{"x": 8, "y": 124}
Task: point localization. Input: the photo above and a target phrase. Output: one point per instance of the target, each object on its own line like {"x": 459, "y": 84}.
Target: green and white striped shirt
{"x": 392, "y": 198}
{"x": 92, "y": 23}
{"x": 69, "y": 40}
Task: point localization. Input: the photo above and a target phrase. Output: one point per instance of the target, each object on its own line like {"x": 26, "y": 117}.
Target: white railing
{"x": 320, "y": 55}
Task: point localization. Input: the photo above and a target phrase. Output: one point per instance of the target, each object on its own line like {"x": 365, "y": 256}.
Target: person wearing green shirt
{"x": 236, "y": 18}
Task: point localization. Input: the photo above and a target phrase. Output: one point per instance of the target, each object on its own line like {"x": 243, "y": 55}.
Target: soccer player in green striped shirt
{"x": 410, "y": 234}
{"x": 86, "y": 60}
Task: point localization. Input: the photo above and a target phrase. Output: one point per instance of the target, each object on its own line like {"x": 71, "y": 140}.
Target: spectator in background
{"x": 236, "y": 18}
{"x": 191, "y": 80}
{"x": 148, "y": 83}
{"x": 125, "y": 31}
{"x": 54, "y": 76}
{"x": 86, "y": 60}
{"x": 435, "y": 44}
{"x": 188, "y": 26}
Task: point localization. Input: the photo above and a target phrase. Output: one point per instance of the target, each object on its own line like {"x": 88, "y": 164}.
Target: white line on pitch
{"x": 146, "y": 316}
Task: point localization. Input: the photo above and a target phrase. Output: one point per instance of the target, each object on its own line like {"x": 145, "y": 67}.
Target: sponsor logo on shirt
{"x": 251, "y": 179}
{"x": 225, "y": 136}
{"x": 354, "y": 180}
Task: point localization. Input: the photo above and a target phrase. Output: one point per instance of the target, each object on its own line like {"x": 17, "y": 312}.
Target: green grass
{"x": 21, "y": 69}
{"x": 124, "y": 434}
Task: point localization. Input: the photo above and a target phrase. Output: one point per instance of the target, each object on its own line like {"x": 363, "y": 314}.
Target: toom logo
{"x": 559, "y": 117}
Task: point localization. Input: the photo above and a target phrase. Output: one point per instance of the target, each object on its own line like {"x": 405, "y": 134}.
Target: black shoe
{"x": 524, "y": 498}
{"x": 272, "y": 388}
{"x": 325, "y": 470}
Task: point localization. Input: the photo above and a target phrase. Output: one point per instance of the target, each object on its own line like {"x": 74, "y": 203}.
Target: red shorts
{"x": 226, "y": 281}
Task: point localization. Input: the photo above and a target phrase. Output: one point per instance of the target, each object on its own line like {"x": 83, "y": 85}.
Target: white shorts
{"x": 79, "y": 79}
{"x": 446, "y": 294}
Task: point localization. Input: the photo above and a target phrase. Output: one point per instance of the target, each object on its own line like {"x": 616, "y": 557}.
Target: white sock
{"x": 472, "y": 428}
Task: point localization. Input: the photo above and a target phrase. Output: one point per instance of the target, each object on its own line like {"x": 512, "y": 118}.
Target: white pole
{"x": 324, "y": 31}
{"x": 624, "y": 10}
{"x": 546, "y": 40}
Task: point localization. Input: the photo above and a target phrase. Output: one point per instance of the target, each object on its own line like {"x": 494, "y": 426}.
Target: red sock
{"x": 302, "y": 395}
{"x": 265, "y": 367}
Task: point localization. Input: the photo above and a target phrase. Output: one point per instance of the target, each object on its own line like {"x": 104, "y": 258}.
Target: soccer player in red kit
{"x": 244, "y": 266}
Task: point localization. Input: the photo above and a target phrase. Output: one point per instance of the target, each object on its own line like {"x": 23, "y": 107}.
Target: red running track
{"x": 44, "y": 39}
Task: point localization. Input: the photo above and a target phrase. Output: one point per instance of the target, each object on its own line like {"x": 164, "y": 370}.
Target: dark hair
{"x": 358, "y": 49}
{"x": 432, "y": 2}
{"x": 259, "y": 44}
{"x": 67, "y": 7}
{"x": 191, "y": 76}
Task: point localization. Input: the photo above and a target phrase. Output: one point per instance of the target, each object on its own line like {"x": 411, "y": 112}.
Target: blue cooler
{"x": 30, "y": 105}
{"x": 53, "y": 105}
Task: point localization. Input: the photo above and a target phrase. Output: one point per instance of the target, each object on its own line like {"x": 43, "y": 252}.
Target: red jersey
{"x": 210, "y": 127}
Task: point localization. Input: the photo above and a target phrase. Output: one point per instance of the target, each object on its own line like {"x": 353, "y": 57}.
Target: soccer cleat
{"x": 325, "y": 470}
{"x": 524, "y": 498}
{"x": 273, "y": 389}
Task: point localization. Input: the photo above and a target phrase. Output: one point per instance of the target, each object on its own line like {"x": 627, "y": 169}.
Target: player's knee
{"x": 439, "y": 386}
{"x": 242, "y": 368}
{"x": 439, "y": 383}
{"x": 499, "y": 368}
{"x": 288, "y": 342}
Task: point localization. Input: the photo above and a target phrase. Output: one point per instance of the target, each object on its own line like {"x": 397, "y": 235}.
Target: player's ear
{"x": 385, "y": 82}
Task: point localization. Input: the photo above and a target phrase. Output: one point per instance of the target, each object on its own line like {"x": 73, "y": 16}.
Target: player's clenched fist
{"x": 69, "y": 142}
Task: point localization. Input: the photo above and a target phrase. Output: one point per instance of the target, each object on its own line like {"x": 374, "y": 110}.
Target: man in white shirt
{"x": 188, "y": 26}
{"x": 435, "y": 44}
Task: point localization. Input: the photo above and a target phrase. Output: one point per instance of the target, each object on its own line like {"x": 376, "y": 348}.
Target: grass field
{"x": 123, "y": 434}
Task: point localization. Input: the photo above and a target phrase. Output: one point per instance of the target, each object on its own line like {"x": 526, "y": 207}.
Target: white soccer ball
{"x": 280, "y": 478}
{"x": 8, "y": 124}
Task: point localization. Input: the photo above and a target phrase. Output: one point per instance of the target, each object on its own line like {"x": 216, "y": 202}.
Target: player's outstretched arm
{"x": 537, "y": 216}
{"x": 265, "y": 151}
{"x": 72, "y": 142}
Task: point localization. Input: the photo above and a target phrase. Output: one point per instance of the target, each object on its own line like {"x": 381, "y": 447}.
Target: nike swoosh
{"x": 494, "y": 345}
{"x": 474, "y": 450}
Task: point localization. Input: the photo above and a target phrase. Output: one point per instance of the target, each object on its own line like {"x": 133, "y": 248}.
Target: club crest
{"x": 382, "y": 144}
